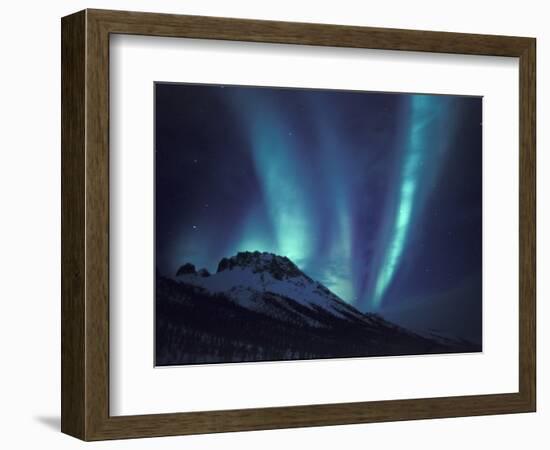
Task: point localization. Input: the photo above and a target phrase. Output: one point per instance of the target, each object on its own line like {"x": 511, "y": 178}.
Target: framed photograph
{"x": 271, "y": 224}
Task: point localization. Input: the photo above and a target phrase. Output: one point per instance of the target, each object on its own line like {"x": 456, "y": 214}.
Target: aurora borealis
{"x": 376, "y": 195}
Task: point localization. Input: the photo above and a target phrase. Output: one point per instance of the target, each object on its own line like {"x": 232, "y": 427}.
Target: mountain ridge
{"x": 259, "y": 306}
{"x": 243, "y": 276}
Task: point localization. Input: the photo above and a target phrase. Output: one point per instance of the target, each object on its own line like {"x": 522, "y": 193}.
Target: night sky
{"x": 376, "y": 195}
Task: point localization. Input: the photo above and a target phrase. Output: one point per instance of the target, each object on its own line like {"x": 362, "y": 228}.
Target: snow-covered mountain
{"x": 260, "y": 306}
{"x": 249, "y": 278}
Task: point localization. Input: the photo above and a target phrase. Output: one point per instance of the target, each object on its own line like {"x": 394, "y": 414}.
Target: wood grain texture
{"x": 85, "y": 224}
{"x": 73, "y": 110}
{"x": 151, "y": 24}
{"x": 97, "y": 226}
{"x": 527, "y": 224}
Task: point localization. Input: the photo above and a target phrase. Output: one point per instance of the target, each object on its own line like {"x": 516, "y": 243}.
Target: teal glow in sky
{"x": 426, "y": 112}
{"x": 375, "y": 195}
{"x": 295, "y": 192}
{"x": 284, "y": 198}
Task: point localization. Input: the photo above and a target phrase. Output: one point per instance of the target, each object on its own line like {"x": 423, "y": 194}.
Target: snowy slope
{"x": 262, "y": 307}
{"x": 247, "y": 277}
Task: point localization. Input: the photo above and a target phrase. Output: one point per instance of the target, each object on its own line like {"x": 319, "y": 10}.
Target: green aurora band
{"x": 425, "y": 145}
{"x": 309, "y": 196}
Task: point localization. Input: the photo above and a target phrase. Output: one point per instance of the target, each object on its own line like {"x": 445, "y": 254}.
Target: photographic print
{"x": 295, "y": 224}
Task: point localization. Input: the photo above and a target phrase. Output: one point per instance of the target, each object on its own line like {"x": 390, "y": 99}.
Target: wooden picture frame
{"x": 85, "y": 224}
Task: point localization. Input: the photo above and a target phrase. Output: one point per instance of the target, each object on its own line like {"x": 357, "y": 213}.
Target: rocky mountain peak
{"x": 189, "y": 269}
{"x": 186, "y": 269}
{"x": 280, "y": 267}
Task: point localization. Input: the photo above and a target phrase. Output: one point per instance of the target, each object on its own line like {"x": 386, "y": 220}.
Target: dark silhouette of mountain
{"x": 262, "y": 307}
